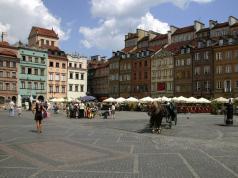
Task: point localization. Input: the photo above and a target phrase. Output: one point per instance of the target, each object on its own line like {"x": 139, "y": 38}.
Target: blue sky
{"x": 92, "y": 27}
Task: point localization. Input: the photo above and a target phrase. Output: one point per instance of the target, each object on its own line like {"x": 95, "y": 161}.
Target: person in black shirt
{"x": 38, "y": 111}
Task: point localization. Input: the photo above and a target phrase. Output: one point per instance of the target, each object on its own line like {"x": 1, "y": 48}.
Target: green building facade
{"x": 32, "y": 74}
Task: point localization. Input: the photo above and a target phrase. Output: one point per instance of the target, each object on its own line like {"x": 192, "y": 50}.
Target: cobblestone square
{"x": 197, "y": 147}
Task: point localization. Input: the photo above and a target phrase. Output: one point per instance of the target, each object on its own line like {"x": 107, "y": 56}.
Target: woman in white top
{"x": 113, "y": 110}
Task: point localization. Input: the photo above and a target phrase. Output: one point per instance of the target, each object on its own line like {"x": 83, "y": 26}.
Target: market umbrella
{"x": 132, "y": 99}
{"x": 146, "y": 99}
{"x": 221, "y": 100}
{"x": 203, "y": 100}
{"x": 109, "y": 100}
{"x": 120, "y": 100}
{"x": 88, "y": 98}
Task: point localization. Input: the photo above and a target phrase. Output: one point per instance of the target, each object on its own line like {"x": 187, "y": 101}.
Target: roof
{"x": 44, "y": 32}
{"x": 203, "y": 30}
{"x": 175, "y": 47}
{"x": 49, "y": 47}
{"x": 221, "y": 25}
{"x": 235, "y": 24}
{"x": 184, "y": 30}
{"x": 128, "y": 49}
{"x": 146, "y": 38}
{"x": 160, "y": 37}
{"x": 4, "y": 43}
{"x": 8, "y": 53}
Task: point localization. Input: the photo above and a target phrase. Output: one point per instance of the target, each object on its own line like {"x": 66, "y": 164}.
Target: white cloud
{"x": 18, "y": 16}
{"x": 118, "y": 17}
{"x": 148, "y": 22}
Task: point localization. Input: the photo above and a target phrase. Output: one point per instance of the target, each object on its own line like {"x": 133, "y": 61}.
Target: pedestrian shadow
{"x": 225, "y": 125}
{"x": 33, "y": 131}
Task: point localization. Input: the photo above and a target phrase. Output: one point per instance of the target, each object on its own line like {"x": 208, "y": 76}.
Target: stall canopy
{"x": 109, "y": 100}
{"x": 132, "y": 99}
{"x": 120, "y": 100}
{"x": 221, "y": 100}
{"x": 146, "y": 99}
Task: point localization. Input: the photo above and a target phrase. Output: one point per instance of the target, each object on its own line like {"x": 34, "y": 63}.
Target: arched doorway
{"x": 2, "y": 100}
{"x": 41, "y": 98}
{"x": 14, "y": 99}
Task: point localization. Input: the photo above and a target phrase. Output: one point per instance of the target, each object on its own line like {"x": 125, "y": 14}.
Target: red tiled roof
{"x": 52, "y": 48}
{"x": 175, "y": 47}
{"x": 8, "y": 53}
{"x": 155, "y": 48}
{"x": 4, "y": 43}
{"x": 221, "y": 25}
{"x": 160, "y": 37}
{"x": 184, "y": 30}
{"x": 45, "y": 32}
{"x": 128, "y": 49}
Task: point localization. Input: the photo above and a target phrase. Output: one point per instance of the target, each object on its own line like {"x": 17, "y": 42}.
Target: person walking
{"x": 38, "y": 112}
{"x": 11, "y": 109}
{"x": 113, "y": 111}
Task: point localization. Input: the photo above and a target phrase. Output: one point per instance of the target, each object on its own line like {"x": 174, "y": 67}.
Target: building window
{"x": 23, "y": 58}
{"x": 76, "y": 76}
{"x": 57, "y": 76}
{"x": 146, "y": 75}
{"x": 42, "y": 72}
{"x": 75, "y": 65}
{"x": 206, "y": 55}
{"x": 218, "y": 56}
{"x": 189, "y": 61}
{"x": 29, "y": 59}
{"x": 29, "y": 85}
{"x": 236, "y": 68}
{"x": 52, "y": 43}
{"x": 81, "y": 88}
{"x": 197, "y": 71}
{"x": 57, "y": 89}
{"x": 63, "y": 78}
{"x": 47, "y": 42}
{"x": 14, "y": 64}
{"x": 145, "y": 63}
{"x": 23, "y": 85}
{"x": 71, "y": 75}
{"x": 57, "y": 65}
{"x": 70, "y": 87}
{"x": 36, "y": 60}
{"x": 42, "y": 60}
{"x": 8, "y": 74}
{"x": 82, "y": 76}
{"x": 229, "y": 55}
{"x": 218, "y": 69}
{"x": 1, "y": 74}
{"x": 76, "y": 88}
{"x": 227, "y": 85}
{"x": 23, "y": 70}
{"x": 1, "y": 86}
{"x": 207, "y": 85}
{"x": 80, "y": 66}
{"x": 42, "y": 41}
{"x": 218, "y": 85}
{"x": 51, "y": 88}
{"x": 197, "y": 86}
{"x": 206, "y": 69}
{"x": 42, "y": 87}
{"x": 63, "y": 65}
{"x": 13, "y": 74}
{"x": 51, "y": 77}
{"x": 228, "y": 69}
{"x": 197, "y": 56}
{"x": 70, "y": 64}
{"x": 51, "y": 64}
{"x": 29, "y": 71}
{"x": 36, "y": 71}
{"x": 36, "y": 85}
{"x": 7, "y": 86}
{"x": 63, "y": 89}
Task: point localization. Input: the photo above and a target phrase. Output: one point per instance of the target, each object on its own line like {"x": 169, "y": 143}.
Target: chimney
{"x": 169, "y": 37}
{"x": 173, "y": 29}
{"x": 198, "y": 25}
{"x": 232, "y": 20}
{"x": 212, "y": 23}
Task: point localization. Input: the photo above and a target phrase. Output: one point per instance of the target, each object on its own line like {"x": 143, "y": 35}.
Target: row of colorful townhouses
{"x": 188, "y": 61}
{"x": 40, "y": 70}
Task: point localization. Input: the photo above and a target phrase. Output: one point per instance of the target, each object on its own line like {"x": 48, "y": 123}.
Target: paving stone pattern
{"x": 200, "y": 147}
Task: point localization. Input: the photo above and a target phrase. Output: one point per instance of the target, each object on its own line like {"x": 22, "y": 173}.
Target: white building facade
{"x": 77, "y": 76}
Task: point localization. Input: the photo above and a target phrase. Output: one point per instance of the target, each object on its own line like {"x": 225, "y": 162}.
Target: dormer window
{"x": 188, "y": 50}
{"x": 137, "y": 55}
{"x": 147, "y": 53}
{"x": 208, "y": 43}
{"x": 123, "y": 56}
{"x": 142, "y": 54}
{"x": 128, "y": 55}
{"x": 182, "y": 51}
{"x": 230, "y": 41}
{"x": 199, "y": 44}
{"x": 220, "y": 42}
